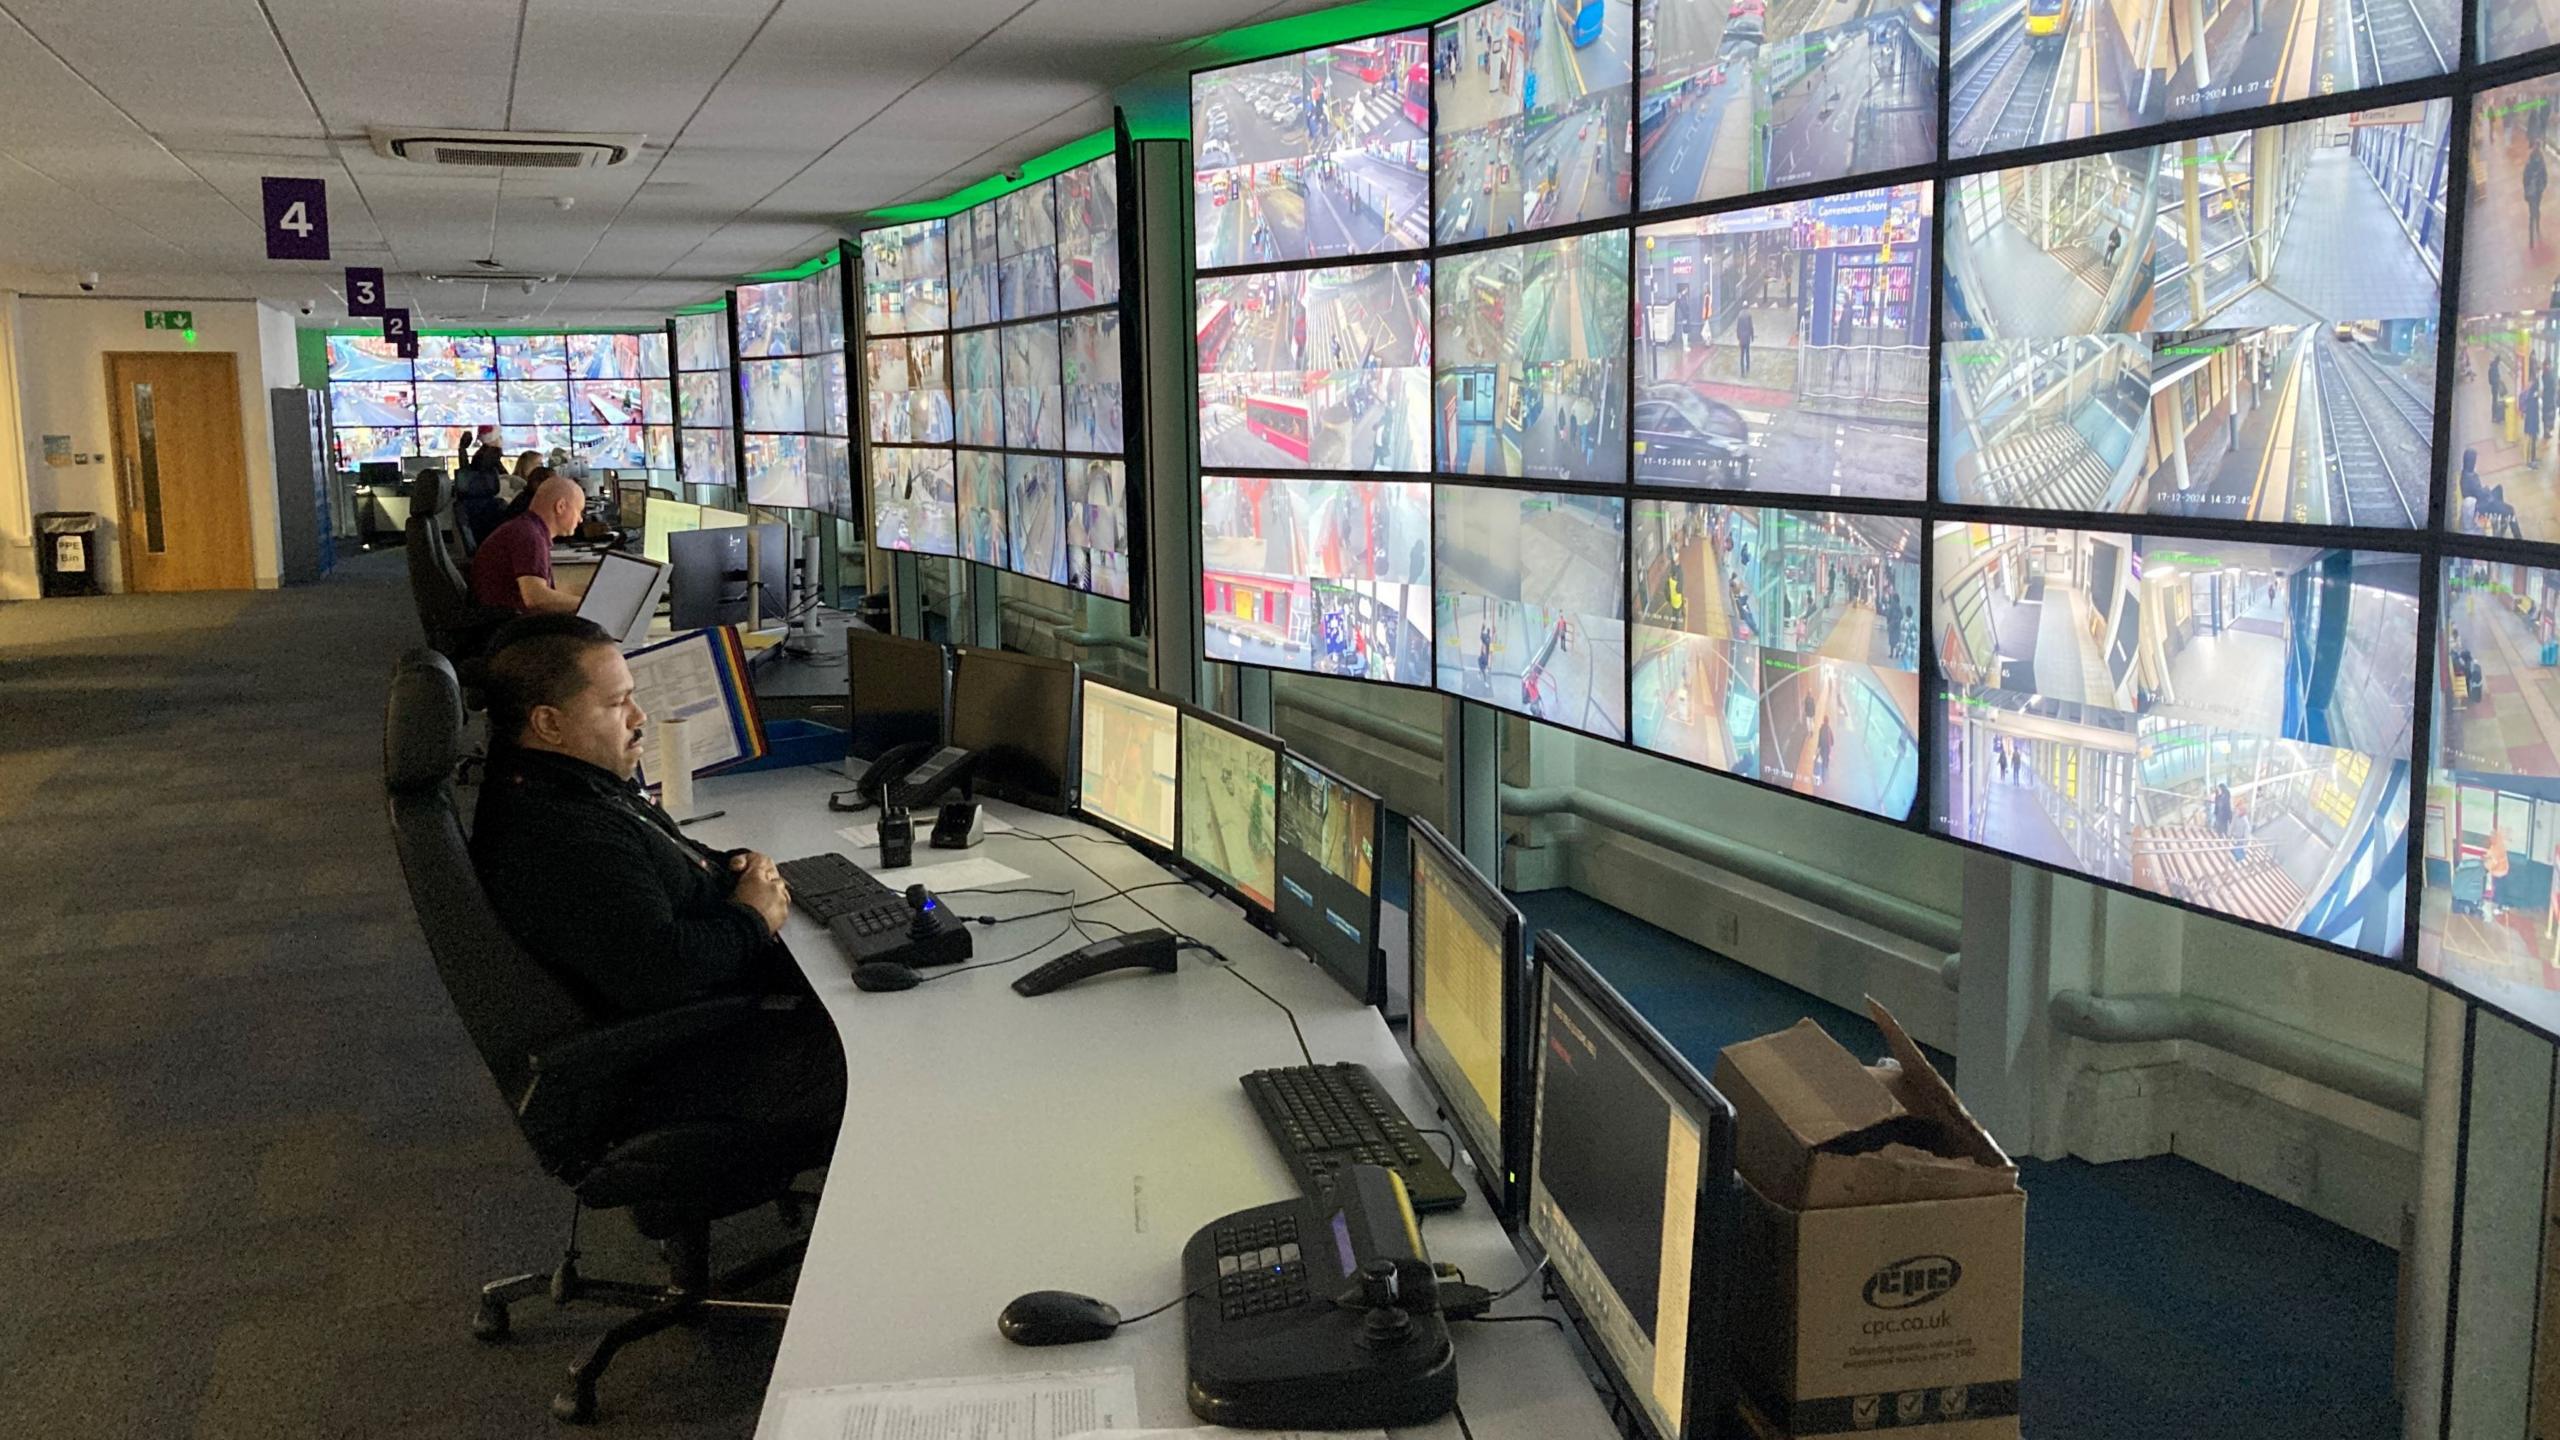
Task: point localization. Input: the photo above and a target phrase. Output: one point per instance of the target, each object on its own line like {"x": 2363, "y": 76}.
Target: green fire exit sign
{"x": 168, "y": 319}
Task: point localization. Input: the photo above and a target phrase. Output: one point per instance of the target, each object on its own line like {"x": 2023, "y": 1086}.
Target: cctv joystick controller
{"x": 1386, "y": 1326}
{"x": 927, "y": 922}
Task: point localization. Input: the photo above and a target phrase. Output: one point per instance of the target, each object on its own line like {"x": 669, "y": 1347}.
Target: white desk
{"x": 995, "y": 1144}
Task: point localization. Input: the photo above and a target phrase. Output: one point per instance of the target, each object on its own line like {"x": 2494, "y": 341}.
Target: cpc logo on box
{"x": 1920, "y": 1280}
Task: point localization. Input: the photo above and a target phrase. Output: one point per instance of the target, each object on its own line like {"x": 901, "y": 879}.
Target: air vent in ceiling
{"x": 507, "y": 149}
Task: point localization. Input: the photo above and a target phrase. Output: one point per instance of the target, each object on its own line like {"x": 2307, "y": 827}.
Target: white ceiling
{"x": 133, "y": 134}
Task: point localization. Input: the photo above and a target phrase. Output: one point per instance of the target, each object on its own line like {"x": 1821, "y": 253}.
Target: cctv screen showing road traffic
{"x": 604, "y": 398}
{"x": 1316, "y": 154}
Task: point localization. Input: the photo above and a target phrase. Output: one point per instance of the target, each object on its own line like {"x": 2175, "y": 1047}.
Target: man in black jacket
{"x": 631, "y": 913}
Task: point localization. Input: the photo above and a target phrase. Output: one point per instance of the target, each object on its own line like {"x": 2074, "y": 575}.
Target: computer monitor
{"x": 712, "y": 569}
{"x": 380, "y": 472}
{"x": 1470, "y": 1001}
{"x": 662, "y": 519}
{"x": 1631, "y": 1194}
{"x": 624, "y": 595}
{"x": 1329, "y": 875}
{"x": 1230, "y": 808}
{"x": 899, "y": 690}
{"x": 1017, "y": 714}
{"x": 1126, "y": 763}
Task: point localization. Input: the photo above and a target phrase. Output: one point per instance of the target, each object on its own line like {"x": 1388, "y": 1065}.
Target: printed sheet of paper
{"x": 1213, "y": 1432}
{"x": 682, "y": 679}
{"x": 1047, "y": 1405}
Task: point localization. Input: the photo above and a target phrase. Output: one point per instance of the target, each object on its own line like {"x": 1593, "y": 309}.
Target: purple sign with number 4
{"x": 297, "y": 218}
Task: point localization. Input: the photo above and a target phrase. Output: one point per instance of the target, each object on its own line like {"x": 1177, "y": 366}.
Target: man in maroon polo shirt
{"x": 512, "y": 567}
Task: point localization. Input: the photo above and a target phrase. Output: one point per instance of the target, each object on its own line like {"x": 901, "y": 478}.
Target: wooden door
{"x": 182, "y": 474}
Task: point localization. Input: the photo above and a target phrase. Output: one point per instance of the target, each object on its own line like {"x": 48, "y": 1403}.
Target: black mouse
{"x": 1056, "y": 1317}
{"x": 884, "y": 975}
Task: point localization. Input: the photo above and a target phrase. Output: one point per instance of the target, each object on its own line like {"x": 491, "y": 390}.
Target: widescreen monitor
{"x": 1529, "y": 605}
{"x": 624, "y": 595}
{"x": 898, "y": 690}
{"x": 1230, "y": 799}
{"x": 712, "y": 570}
{"x": 1127, "y": 762}
{"x": 1542, "y": 398}
{"x": 1327, "y": 576}
{"x": 2222, "y": 723}
{"x": 1326, "y": 369}
{"x": 1317, "y": 153}
{"x": 1329, "y": 830}
{"x": 1532, "y": 118}
{"x": 1631, "y": 1196}
{"x": 1470, "y": 997}
{"x": 1017, "y": 714}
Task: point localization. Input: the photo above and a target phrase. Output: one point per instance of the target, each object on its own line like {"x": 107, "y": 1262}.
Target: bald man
{"x": 512, "y": 568}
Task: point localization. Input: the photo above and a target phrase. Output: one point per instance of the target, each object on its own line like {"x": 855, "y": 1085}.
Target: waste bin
{"x": 67, "y": 552}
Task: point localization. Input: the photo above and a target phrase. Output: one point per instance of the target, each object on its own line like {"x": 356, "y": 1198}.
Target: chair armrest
{"x": 572, "y": 1092}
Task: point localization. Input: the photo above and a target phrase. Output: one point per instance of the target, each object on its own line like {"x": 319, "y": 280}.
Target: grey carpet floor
{"x": 251, "y": 1171}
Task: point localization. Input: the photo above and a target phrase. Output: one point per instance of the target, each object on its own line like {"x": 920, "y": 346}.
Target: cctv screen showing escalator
{"x": 2237, "y": 327}
{"x": 2223, "y": 724}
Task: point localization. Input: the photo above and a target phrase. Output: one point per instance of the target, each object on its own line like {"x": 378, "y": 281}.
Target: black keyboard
{"x": 868, "y": 920}
{"x": 1326, "y": 1117}
{"x": 1259, "y": 1268}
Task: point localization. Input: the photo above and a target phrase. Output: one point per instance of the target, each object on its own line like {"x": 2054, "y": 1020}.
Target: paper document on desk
{"x": 1214, "y": 1431}
{"x": 1211, "y": 1432}
{"x": 1048, "y": 1405}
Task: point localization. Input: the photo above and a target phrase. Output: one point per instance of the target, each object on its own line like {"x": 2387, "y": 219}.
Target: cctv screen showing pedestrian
{"x": 1787, "y": 347}
{"x": 2044, "y": 70}
{"x": 1781, "y": 646}
{"x": 1327, "y": 369}
{"x": 982, "y": 534}
{"x": 1738, "y": 96}
{"x": 1332, "y": 577}
{"x": 2489, "y": 922}
{"x": 910, "y": 390}
{"x": 1530, "y": 351}
{"x": 913, "y": 506}
{"x": 906, "y": 284}
{"x": 2499, "y": 469}
{"x": 2223, "y": 724}
{"x": 1530, "y": 604}
{"x": 1088, "y": 205}
{"x": 1533, "y": 120}
{"x": 1320, "y": 153}
{"x": 616, "y": 412}
{"x": 1027, "y": 252}
{"x": 973, "y": 266}
{"x": 2238, "y": 327}
{"x": 1036, "y": 517}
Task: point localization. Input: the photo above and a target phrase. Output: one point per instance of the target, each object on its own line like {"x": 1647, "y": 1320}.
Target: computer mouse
{"x": 884, "y": 975}
{"x": 1056, "y": 1317}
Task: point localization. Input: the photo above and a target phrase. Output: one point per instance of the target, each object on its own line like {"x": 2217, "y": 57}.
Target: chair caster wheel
{"x": 489, "y": 1323}
{"x": 575, "y": 1405}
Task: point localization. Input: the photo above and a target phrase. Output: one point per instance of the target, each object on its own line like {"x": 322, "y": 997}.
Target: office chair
{"x": 560, "y": 1071}
{"x": 456, "y": 625}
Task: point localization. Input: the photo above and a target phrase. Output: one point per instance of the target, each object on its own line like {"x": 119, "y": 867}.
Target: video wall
{"x": 991, "y": 379}
{"x": 707, "y": 439}
{"x": 605, "y": 397}
{"x": 2084, "y": 509}
{"x": 793, "y": 409}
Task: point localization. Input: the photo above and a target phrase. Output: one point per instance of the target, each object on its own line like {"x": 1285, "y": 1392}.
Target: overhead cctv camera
{"x": 1014, "y": 174}
{"x": 307, "y": 307}
{"x": 89, "y": 282}
{"x": 528, "y": 287}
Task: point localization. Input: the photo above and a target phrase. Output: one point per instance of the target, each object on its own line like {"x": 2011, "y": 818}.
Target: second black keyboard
{"x": 1326, "y": 1117}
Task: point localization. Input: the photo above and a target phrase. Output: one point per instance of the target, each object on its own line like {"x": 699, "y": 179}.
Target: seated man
{"x": 633, "y": 915}
{"x": 512, "y": 568}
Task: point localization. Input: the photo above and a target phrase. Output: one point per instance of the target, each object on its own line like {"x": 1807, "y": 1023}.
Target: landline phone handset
{"x": 921, "y": 770}
{"x": 1318, "y": 1314}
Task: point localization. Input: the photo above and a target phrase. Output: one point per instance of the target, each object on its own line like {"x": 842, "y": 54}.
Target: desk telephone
{"x": 915, "y": 774}
{"x": 1318, "y": 1314}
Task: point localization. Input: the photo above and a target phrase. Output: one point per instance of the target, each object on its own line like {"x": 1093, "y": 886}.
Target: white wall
{"x": 17, "y": 552}
{"x": 61, "y": 347}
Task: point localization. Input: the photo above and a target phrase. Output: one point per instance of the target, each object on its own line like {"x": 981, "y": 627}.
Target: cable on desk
{"x": 1451, "y": 1159}
{"x": 1054, "y": 842}
{"x": 1461, "y": 1412}
{"x": 1513, "y": 1320}
{"x": 1007, "y": 960}
{"x": 1060, "y": 909}
{"x": 1513, "y": 1288}
{"x": 1224, "y": 964}
{"x": 1169, "y": 1304}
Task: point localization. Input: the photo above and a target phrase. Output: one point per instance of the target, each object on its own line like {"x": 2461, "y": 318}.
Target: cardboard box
{"x": 1880, "y": 1254}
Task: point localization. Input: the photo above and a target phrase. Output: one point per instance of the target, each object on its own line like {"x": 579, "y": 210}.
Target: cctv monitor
{"x": 1017, "y": 714}
{"x": 1631, "y": 1193}
{"x": 1329, "y": 875}
{"x": 1126, "y": 763}
{"x": 662, "y": 519}
{"x": 385, "y": 473}
{"x": 713, "y": 568}
{"x": 899, "y": 688}
{"x": 624, "y": 596}
{"x": 1230, "y": 803}
{"x": 1470, "y": 991}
